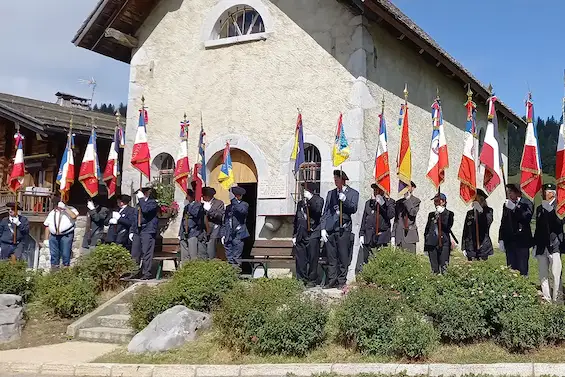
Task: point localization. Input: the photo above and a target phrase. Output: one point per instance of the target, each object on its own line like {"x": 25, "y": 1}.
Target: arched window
{"x": 481, "y": 139}
{"x": 164, "y": 164}
{"x": 239, "y": 21}
{"x": 310, "y": 170}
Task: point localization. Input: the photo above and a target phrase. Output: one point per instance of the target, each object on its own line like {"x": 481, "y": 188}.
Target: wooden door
{"x": 244, "y": 171}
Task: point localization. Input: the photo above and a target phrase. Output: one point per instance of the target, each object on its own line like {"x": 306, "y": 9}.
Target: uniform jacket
{"x": 7, "y": 228}
{"x": 549, "y": 230}
{"x": 119, "y": 232}
{"x": 215, "y": 218}
{"x": 98, "y": 217}
{"x": 469, "y": 238}
{"x": 431, "y": 234}
{"x": 405, "y": 228}
{"x": 330, "y": 217}
{"x": 235, "y": 219}
{"x": 313, "y": 209}
{"x": 192, "y": 223}
{"x": 515, "y": 224}
{"x": 149, "y": 220}
{"x": 369, "y": 222}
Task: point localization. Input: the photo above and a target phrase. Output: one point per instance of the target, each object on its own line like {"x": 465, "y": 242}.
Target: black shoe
{"x": 310, "y": 285}
{"x": 328, "y": 286}
{"x": 145, "y": 277}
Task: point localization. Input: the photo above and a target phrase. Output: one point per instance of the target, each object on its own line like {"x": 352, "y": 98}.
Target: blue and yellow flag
{"x": 298, "y": 149}
{"x": 226, "y": 177}
{"x": 341, "y": 145}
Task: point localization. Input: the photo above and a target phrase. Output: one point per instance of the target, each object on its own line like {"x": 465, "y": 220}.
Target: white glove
{"x": 464, "y": 253}
{"x": 324, "y": 235}
{"x": 231, "y": 195}
{"x": 294, "y": 241}
{"x": 342, "y": 196}
{"x": 307, "y": 195}
{"x": 477, "y": 207}
{"x": 131, "y": 237}
{"x": 501, "y": 245}
{"x": 510, "y": 204}
{"x": 207, "y": 206}
{"x": 380, "y": 200}
{"x": 140, "y": 195}
{"x": 407, "y": 195}
{"x": 534, "y": 249}
{"x": 113, "y": 221}
{"x": 223, "y": 240}
{"x": 440, "y": 209}
{"x": 90, "y": 205}
{"x": 545, "y": 204}
{"x": 361, "y": 240}
{"x": 45, "y": 243}
{"x": 15, "y": 221}
{"x": 61, "y": 205}
{"x": 393, "y": 241}
{"x": 178, "y": 237}
{"x": 115, "y": 215}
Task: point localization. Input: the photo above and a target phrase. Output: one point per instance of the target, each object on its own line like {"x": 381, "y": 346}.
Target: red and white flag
{"x": 468, "y": 168}
{"x": 182, "y": 169}
{"x": 382, "y": 169}
{"x": 197, "y": 182}
{"x": 112, "y": 170}
{"x": 560, "y": 170}
{"x": 439, "y": 160}
{"x": 140, "y": 155}
{"x": 89, "y": 174}
{"x": 490, "y": 153}
{"x": 530, "y": 166}
{"x": 18, "y": 169}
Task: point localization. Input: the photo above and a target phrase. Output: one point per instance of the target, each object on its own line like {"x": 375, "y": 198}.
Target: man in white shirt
{"x": 60, "y": 232}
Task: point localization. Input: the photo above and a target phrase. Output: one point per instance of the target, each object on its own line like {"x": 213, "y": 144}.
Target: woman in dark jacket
{"x": 477, "y": 244}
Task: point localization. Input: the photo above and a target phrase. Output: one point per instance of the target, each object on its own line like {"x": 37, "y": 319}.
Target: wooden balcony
{"x": 35, "y": 202}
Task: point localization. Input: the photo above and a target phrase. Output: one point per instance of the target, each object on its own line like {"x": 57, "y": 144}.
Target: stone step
{"x": 116, "y": 321}
{"x": 122, "y": 309}
{"x": 106, "y": 335}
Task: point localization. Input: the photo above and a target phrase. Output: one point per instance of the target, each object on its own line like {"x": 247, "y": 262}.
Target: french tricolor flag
{"x": 18, "y": 169}
{"x": 490, "y": 153}
{"x": 468, "y": 169}
{"x": 182, "y": 169}
{"x": 560, "y": 171}
{"x": 140, "y": 155}
{"x": 530, "y": 167}
{"x": 112, "y": 170}
{"x": 66, "y": 174}
{"x": 382, "y": 169}
{"x": 439, "y": 160}
{"x": 89, "y": 174}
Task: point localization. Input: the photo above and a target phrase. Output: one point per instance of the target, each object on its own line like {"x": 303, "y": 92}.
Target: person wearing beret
{"x": 97, "y": 218}
{"x": 481, "y": 216}
{"x": 191, "y": 228}
{"x": 234, "y": 230}
{"x": 120, "y": 222}
{"x": 143, "y": 232}
{"x": 405, "y": 230}
{"x": 369, "y": 236}
{"x": 306, "y": 235}
{"x": 437, "y": 234}
{"x": 340, "y": 205}
{"x": 214, "y": 210}
{"x": 547, "y": 241}
{"x": 13, "y": 247}
{"x": 515, "y": 234}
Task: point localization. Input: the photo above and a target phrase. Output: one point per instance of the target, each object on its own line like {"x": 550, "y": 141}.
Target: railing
{"x": 33, "y": 200}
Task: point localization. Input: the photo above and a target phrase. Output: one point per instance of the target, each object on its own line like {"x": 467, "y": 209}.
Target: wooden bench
{"x": 166, "y": 249}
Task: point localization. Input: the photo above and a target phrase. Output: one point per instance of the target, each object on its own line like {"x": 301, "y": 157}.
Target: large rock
{"x": 170, "y": 329}
{"x": 8, "y": 300}
{"x": 11, "y": 323}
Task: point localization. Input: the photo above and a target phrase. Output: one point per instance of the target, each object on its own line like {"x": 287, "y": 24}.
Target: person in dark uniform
{"x": 369, "y": 237}
{"x": 13, "y": 223}
{"x": 121, "y": 222}
{"x": 98, "y": 216}
{"x": 306, "y": 235}
{"x": 515, "y": 235}
{"x": 235, "y": 230}
{"x": 484, "y": 218}
{"x": 547, "y": 241}
{"x": 143, "y": 231}
{"x": 191, "y": 228}
{"x": 405, "y": 230}
{"x": 341, "y": 203}
{"x": 438, "y": 234}
{"x": 214, "y": 210}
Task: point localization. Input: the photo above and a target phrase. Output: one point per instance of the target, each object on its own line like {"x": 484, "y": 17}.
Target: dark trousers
{"x": 439, "y": 258}
{"x": 410, "y": 247}
{"x": 8, "y": 249}
{"x": 142, "y": 249}
{"x": 234, "y": 249}
{"x": 517, "y": 258}
{"x": 338, "y": 248}
{"x": 306, "y": 255}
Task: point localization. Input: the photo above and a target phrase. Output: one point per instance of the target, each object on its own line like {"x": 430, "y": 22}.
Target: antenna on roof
{"x": 90, "y": 82}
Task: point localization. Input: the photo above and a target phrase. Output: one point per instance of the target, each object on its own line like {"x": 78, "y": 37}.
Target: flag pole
{"x": 140, "y": 173}
{"x": 473, "y": 129}
{"x": 297, "y": 172}
{"x": 439, "y": 183}
{"x": 16, "y": 192}
{"x": 185, "y": 126}
{"x": 341, "y": 177}
{"x": 377, "y": 206}
{"x": 203, "y": 163}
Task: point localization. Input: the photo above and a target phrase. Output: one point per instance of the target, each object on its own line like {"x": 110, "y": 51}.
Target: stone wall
{"x": 45, "y": 256}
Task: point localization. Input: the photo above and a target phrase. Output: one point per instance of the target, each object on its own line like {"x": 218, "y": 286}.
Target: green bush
{"x": 555, "y": 323}
{"x": 149, "y": 302}
{"x": 15, "y": 279}
{"x": 105, "y": 265}
{"x": 270, "y": 316}
{"x": 67, "y": 294}
{"x": 523, "y": 329}
{"x": 413, "y": 336}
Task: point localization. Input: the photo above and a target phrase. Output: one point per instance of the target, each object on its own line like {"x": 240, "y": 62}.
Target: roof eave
{"x": 25, "y": 120}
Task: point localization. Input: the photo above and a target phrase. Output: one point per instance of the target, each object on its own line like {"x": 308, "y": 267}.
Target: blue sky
{"x": 511, "y": 43}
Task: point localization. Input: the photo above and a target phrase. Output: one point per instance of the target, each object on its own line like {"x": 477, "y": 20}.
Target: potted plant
{"x": 165, "y": 194}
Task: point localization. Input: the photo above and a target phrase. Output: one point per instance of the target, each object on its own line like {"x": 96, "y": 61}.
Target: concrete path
{"x": 62, "y": 353}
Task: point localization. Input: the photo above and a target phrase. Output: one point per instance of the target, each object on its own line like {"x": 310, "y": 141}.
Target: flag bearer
{"x": 144, "y": 231}
{"x": 369, "y": 236}
{"x": 98, "y": 215}
{"x": 341, "y": 203}
{"x": 484, "y": 218}
{"x": 234, "y": 231}
{"x": 60, "y": 232}
{"x": 13, "y": 247}
{"x": 191, "y": 228}
{"x": 547, "y": 242}
{"x": 438, "y": 234}
{"x": 515, "y": 236}
{"x": 121, "y": 222}
{"x": 405, "y": 230}
{"x": 306, "y": 235}
{"x": 214, "y": 210}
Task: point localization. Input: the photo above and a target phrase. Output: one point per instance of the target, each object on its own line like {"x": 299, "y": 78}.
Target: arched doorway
{"x": 245, "y": 174}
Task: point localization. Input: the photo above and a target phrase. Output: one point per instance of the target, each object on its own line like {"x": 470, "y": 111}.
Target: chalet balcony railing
{"x": 33, "y": 200}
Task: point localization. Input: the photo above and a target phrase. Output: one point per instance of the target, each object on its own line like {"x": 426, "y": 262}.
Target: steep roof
{"x": 48, "y": 118}
{"x": 127, "y": 16}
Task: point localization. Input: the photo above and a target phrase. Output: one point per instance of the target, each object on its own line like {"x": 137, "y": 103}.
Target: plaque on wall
{"x": 277, "y": 188}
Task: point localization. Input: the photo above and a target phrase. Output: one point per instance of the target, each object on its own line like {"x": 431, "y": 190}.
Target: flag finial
{"x": 118, "y": 118}
{"x": 184, "y": 117}
{"x": 437, "y": 93}
{"x": 489, "y": 89}
{"x": 142, "y": 100}
{"x": 405, "y": 92}
{"x": 383, "y": 103}
{"x": 469, "y": 92}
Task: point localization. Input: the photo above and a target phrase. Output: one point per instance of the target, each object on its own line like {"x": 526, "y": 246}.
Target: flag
{"x": 202, "y": 156}
{"x": 182, "y": 169}
{"x": 490, "y": 153}
{"x": 225, "y": 177}
{"x": 66, "y": 173}
{"x": 140, "y": 155}
{"x": 298, "y": 149}
{"x": 468, "y": 168}
{"x": 89, "y": 174}
{"x": 112, "y": 170}
{"x": 18, "y": 168}
{"x": 404, "y": 158}
{"x": 560, "y": 171}
{"x": 530, "y": 166}
{"x": 382, "y": 169}
{"x": 341, "y": 145}
{"x": 197, "y": 183}
{"x": 438, "y": 148}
